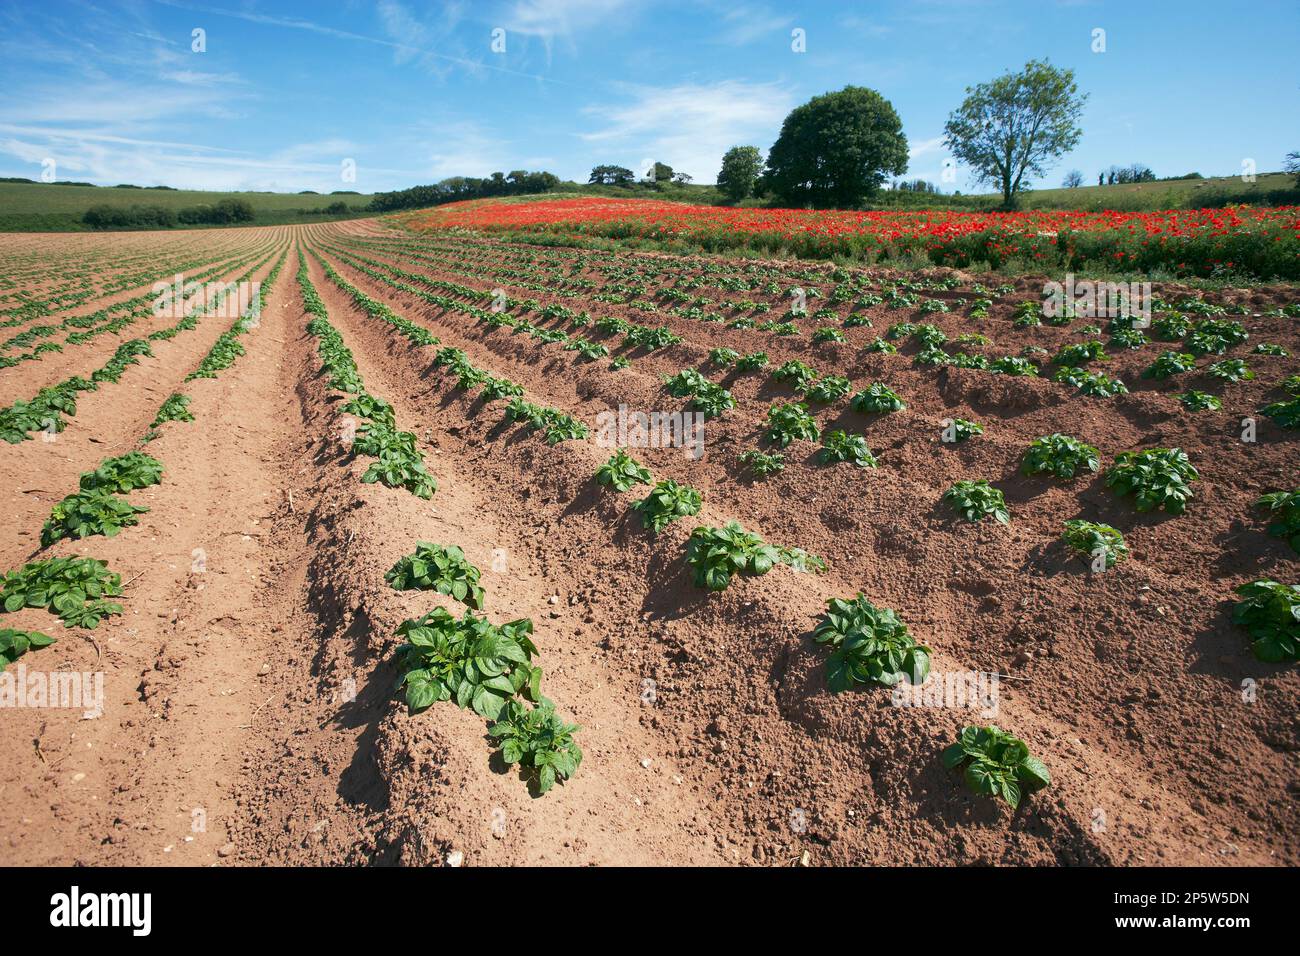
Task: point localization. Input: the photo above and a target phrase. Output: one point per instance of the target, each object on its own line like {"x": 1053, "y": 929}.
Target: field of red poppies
{"x": 1250, "y": 242}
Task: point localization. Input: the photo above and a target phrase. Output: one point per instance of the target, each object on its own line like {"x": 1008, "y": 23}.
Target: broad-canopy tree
{"x": 741, "y": 167}
{"x": 836, "y": 150}
{"x": 1013, "y": 127}
{"x": 612, "y": 175}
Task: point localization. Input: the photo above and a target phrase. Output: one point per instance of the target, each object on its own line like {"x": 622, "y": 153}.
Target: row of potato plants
{"x": 78, "y": 589}
{"x": 482, "y": 666}
{"x": 49, "y": 409}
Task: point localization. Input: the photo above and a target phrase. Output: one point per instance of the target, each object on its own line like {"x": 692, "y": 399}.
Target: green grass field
{"x": 48, "y": 207}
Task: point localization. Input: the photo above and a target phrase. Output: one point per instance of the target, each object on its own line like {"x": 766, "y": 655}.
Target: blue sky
{"x": 413, "y": 92}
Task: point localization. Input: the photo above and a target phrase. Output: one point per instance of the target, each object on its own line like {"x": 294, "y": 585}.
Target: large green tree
{"x": 660, "y": 172}
{"x": 1011, "y": 129}
{"x": 836, "y": 150}
{"x": 741, "y": 167}
{"x": 608, "y": 175}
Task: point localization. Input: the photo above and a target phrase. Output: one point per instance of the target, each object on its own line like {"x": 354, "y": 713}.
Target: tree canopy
{"x": 607, "y": 175}
{"x": 741, "y": 167}
{"x": 836, "y": 150}
{"x": 1011, "y": 129}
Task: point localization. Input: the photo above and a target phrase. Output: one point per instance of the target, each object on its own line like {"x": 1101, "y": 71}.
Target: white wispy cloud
{"x": 403, "y": 48}
{"x": 688, "y": 126}
{"x": 417, "y": 38}
{"x": 561, "y": 18}
{"x": 744, "y": 24}
{"x": 919, "y": 148}
{"x": 199, "y": 78}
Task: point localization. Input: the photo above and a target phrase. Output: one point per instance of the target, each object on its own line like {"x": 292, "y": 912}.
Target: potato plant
{"x": 622, "y": 472}
{"x": 1081, "y": 353}
{"x": 760, "y": 464}
{"x": 1095, "y": 541}
{"x": 666, "y": 502}
{"x": 174, "y": 409}
{"x": 996, "y": 763}
{"x": 877, "y": 399}
{"x": 1284, "y": 508}
{"x": 1090, "y": 383}
{"x": 399, "y": 463}
{"x": 712, "y": 400}
{"x": 1170, "y": 363}
{"x": 434, "y": 567}
{"x": 869, "y": 645}
{"x": 790, "y": 422}
{"x": 1269, "y": 613}
{"x": 827, "y": 389}
{"x": 123, "y": 473}
{"x": 716, "y": 554}
{"x": 1157, "y": 478}
{"x": 838, "y": 446}
{"x": 975, "y": 500}
{"x": 471, "y": 661}
{"x": 1059, "y": 455}
{"x": 960, "y": 429}
{"x": 1195, "y": 401}
{"x": 1284, "y": 414}
{"x": 86, "y": 513}
{"x": 14, "y": 644}
{"x": 1230, "y": 370}
{"x": 799, "y": 375}
{"x": 76, "y": 589}
{"x": 1014, "y": 366}
{"x": 538, "y": 741}
{"x": 557, "y": 426}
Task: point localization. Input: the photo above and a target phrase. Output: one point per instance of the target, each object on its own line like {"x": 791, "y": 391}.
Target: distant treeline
{"x": 222, "y": 213}
{"x": 515, "y": 183}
